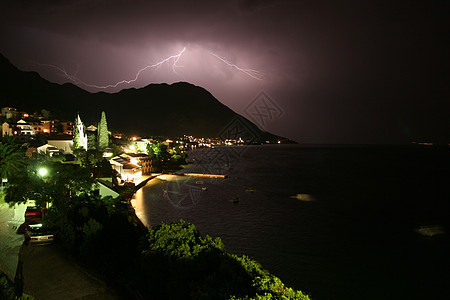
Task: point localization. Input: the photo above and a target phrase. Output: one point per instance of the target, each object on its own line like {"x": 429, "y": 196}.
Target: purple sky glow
{"x": 359, "y": 72}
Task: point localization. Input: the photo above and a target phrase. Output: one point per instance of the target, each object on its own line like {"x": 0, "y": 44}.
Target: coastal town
{"x": 43, "y": 136}
{"x": 69, "y": 184}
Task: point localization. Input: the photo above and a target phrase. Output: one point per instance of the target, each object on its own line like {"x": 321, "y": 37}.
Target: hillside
{"x": 156, "y": 109}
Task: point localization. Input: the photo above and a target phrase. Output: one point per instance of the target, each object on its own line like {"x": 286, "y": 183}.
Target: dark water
{"x": 356, "y": 240}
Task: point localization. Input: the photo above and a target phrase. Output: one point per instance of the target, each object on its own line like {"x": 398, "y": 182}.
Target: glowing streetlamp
{"x": 42, "y": 172}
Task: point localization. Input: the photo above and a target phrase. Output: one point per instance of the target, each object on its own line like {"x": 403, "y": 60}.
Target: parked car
{"x": 33, "y": 213}
{"x": 36, "y": 233}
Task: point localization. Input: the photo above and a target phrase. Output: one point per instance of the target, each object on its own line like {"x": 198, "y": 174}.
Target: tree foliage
{"x": 180, "y": 241}
{"x": 182, "y": 264}
{"x": 9, "y": 292}
{"x": 60, "y": 184}
{"x": 90, "y": 159}
{"x": 163, "y": 158}
{"x": 92, "y": 140}
{"x": 116, "y": 149}
{"x": 12, "y": 158}
{"x": 103, "y": 134}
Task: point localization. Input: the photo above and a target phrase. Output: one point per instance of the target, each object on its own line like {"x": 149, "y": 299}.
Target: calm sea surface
{"x": 334, "y": 222}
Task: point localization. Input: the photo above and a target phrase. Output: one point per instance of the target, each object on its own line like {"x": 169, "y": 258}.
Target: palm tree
{"x": 12, "y": 159}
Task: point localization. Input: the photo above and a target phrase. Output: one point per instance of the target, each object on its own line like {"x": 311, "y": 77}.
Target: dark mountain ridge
{"x": 156, "y": 109}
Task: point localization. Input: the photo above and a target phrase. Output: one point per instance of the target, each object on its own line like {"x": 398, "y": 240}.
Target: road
{"x": 48, "y": 273}
{"x": 44, "y": 271}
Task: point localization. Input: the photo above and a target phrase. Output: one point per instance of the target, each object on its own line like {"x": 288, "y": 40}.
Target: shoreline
{"x": 152, "y": 176}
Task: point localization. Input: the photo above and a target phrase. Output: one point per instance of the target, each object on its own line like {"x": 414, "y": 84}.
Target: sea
{"x": 334, "y": 221}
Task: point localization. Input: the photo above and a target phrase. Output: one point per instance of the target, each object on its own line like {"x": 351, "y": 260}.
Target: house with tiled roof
{"x": 128, "y": 170}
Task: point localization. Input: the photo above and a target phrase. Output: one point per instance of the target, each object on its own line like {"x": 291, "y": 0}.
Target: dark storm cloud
{"x": 251, "y": 5}
{"x": 122, "y": 21}
{"x": 363, "y": 71}
{"x": 118, "y": 22}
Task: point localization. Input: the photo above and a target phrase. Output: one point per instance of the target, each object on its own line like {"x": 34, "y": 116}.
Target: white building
{"x": 19, "y": 128}
{"x": 64, "y": 144}
{"x": 128, "y": 170}
{"x": 24, "y": 128}
{"x": 47, "y": 149}
{"x": 7, "y": 129}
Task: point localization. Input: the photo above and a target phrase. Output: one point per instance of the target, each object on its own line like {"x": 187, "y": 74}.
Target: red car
{"x": 33, "y": 213}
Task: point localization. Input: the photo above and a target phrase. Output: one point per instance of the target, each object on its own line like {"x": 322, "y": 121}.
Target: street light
{"x": 42, "y": 172}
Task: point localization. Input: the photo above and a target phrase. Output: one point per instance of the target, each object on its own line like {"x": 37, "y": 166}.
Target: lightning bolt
{"x": 72, "y": 78}
{"x": 175, "y": 58}
{"x": 252, "y": 73}
{"x": 77, "y": 81}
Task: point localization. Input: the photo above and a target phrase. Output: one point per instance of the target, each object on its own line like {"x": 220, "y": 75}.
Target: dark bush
{"x": 181, "y": 264}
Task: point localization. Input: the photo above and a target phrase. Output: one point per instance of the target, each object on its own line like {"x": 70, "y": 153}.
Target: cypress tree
{"x": 103, "y": 134}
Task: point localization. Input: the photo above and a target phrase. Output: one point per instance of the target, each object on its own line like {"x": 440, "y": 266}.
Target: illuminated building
{"x": 19, "y": 128}
{"x": 62, "y": 142}
{"x": 140, "y": 159}
{"x": 24, "y": 128}
{"x": 128, "y": 171}
{"x": 47, "y": 149}
{"x": 41, "y": 127}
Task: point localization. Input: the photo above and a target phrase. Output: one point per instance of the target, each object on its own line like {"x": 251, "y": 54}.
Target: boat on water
{"x": 430, "y": 230}
{"x": 235, "y": 200}
{"x": 304, "y": 197}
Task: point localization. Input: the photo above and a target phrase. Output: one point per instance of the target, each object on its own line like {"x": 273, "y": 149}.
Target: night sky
{"x": 359, "y": 72}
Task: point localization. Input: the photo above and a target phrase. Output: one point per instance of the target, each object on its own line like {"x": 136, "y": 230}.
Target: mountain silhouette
{"x": 154, "y": 110}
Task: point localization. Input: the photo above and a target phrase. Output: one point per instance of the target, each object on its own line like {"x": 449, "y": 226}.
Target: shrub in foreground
{"x": 8, "y": 290}
{"x": 181, "y": 264}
